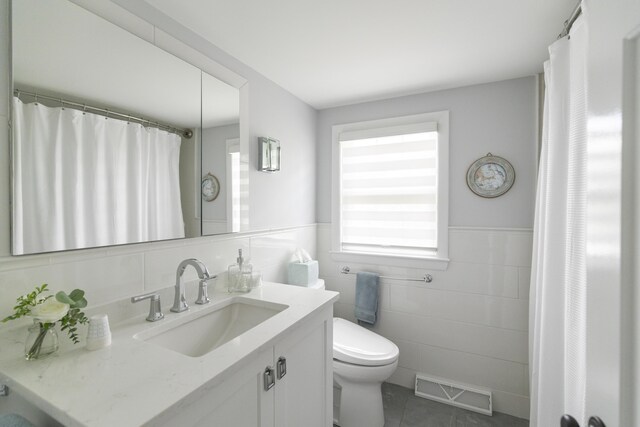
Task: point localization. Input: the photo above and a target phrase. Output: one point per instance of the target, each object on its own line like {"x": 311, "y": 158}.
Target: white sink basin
{"x": 207, "y": 330}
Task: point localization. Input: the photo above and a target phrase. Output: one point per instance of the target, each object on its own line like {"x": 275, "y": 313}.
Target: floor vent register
{"x": 465, "y": 396}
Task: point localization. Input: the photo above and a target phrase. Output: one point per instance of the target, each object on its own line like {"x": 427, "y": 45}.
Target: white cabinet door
{"x": 300, "y": 397}
{"x": 239, "y": 401}
{"x": 304, "y": 393}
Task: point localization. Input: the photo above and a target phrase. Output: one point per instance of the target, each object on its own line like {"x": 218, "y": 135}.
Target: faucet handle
{"x": 155, "y": 308}
{"x": 203, "y": 297}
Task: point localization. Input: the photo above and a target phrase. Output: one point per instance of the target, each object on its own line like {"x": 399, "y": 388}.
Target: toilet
{"x": 362, "y": 360}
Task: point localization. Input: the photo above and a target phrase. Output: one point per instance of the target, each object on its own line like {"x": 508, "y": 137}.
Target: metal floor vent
{"x": 473, "y": 398}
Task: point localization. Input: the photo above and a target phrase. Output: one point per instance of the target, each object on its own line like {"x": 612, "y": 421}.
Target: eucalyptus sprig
{"x": 74, "y": 317}
{"x": 25, "y": 303}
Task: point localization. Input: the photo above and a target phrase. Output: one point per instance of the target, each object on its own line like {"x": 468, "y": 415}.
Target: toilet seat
{"x": 359, "y": 346}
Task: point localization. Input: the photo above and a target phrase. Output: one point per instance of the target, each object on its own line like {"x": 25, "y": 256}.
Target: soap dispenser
{"x": 239, "y": 275}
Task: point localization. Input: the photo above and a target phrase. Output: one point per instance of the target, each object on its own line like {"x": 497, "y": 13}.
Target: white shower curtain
{"x": 558, "y": 281}
{"x": 83, "y": 180}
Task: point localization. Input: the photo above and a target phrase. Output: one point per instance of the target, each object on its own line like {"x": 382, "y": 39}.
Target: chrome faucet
{"x": 155, "y": 308}
{"x": 203, "y": 297}
{"x": 179, "y": 302}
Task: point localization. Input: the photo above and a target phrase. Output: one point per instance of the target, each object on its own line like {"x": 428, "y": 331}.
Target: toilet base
{"x": 361, "y": 394}
{"x": 360, "y": 406}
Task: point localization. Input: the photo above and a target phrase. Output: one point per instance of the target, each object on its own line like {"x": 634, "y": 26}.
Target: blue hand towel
{"x": 367, "y": 297}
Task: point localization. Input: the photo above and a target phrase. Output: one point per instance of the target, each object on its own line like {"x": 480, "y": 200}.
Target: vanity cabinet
{"x": 304, "y": 396}
{"x": 300, "y": 364}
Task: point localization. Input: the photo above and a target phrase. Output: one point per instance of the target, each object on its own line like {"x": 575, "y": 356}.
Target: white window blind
{"x": 388, "y": 190}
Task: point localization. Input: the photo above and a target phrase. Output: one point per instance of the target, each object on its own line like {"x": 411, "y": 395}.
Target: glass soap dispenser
{"x": 239, "y": 275}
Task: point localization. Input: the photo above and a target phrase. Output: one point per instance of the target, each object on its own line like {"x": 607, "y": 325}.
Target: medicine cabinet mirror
{"x": 112, "y": 137}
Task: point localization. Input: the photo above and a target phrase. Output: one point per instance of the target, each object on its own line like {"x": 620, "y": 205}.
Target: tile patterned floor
{"x": 403, "y": 409}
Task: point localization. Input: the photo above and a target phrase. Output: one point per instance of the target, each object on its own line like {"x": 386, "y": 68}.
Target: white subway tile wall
{"x": 524, "y": 279}
{"x": 469, "y": 325}
{"x": 115, "y": 273}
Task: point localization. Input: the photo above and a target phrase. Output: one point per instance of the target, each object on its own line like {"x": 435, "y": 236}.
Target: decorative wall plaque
{"x": 490, "y": 176}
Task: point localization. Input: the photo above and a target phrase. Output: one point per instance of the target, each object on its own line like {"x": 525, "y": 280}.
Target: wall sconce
{"x": 269, "y": 155}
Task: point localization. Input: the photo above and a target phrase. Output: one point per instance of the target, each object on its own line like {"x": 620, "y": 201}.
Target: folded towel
{"x": 13, "y": 420}
{"x": 367, "y": 297}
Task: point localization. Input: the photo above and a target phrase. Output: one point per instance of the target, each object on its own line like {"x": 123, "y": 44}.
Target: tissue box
{"x": 303, "y": 273}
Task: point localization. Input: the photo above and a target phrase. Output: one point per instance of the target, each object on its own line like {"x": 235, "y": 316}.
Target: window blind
{"x": 389, "y": 190}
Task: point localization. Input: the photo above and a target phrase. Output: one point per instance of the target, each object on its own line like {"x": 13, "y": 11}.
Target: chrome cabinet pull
{"x": 282, "y": 367}
{"x": 269, "y": 379}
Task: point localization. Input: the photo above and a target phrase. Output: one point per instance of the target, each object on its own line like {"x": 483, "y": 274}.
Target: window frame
{"x": 440, "y": 258}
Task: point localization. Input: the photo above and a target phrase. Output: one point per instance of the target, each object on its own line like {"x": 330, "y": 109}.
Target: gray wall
{"x": 286, "y": 197}
{"x": 497, "y": 117}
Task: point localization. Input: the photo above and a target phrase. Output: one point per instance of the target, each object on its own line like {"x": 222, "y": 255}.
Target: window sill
{"x": 425, "y": 263}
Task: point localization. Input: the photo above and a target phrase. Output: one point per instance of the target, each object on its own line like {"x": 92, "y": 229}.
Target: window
{"x": 390, "y": 187}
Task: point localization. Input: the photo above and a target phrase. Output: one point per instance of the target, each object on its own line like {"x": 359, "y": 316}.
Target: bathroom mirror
{"x": 112, "y": 137}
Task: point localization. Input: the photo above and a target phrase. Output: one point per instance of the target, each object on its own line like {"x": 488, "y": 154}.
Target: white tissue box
{"x": 303, "y": 273}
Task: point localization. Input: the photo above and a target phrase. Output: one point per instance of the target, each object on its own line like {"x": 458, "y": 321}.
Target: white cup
{"x": 99, "y": 334}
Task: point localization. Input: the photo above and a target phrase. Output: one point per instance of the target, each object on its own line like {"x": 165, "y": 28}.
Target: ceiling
{"x": 336, "y": 52}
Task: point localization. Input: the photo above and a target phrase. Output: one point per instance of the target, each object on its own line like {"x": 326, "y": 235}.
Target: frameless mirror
{"x": 113, "y": 137}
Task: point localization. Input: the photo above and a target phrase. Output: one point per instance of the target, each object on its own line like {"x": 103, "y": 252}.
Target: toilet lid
{"x": 357, "y": 345}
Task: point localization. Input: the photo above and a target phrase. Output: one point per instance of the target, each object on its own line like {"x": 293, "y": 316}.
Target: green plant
{"x": 26, "y": 302}
{"x": 70, "y": 321}
{"x": 69, "y": 315}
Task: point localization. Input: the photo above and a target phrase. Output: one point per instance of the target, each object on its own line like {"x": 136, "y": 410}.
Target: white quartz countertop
{"x": 132, "y": 382}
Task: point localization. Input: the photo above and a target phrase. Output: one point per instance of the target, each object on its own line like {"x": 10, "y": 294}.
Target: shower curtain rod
{"x": 185, "y": 133}
{"x": 577, "y": 11}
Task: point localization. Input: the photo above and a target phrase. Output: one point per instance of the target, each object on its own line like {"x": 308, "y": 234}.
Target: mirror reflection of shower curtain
{"x": 84, "y": 180}
{"x": 558, "y": 300}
